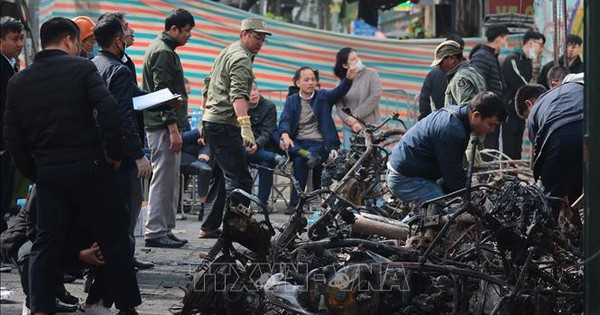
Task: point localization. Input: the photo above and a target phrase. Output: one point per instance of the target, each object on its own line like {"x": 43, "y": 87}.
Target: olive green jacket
{"x": 230, "y": 78}
{"x": 464, "y": 82}
{"x": 162, "y": 69}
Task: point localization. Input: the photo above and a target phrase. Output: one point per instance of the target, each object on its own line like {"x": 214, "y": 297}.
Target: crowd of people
{"x": 490, "y": 104}
{"x": 69, "y": 126}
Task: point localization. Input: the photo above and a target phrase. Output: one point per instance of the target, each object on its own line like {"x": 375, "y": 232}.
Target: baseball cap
{"x": 86, "y": 26}
{"x": 445, "y": 49}
{"x": 255, "y": 24}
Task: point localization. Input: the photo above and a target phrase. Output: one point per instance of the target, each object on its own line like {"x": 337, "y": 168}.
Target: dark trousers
{"x": 561, "y": 164}
{"x": 512, "y": 135}
{"x": 215, "y": 200}
{"x": 87, "y": 189}
{"x": 137, "y": 196}
{"x": 124, "y": 177}
{"x": 316, "y": 148}
{"x": 7, "y": 185}
{"x": 226, "y": 146}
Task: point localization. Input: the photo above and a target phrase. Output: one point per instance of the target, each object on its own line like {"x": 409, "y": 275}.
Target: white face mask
{"x": 359, "y": 65}
{"x": 531, "y": 53}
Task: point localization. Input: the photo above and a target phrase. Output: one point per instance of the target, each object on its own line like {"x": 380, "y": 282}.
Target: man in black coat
{"x": 484, "y": 58}
{"x": 110, "y": 36}
{"x": 11, "y": 45}
{"x": 575, "y": 64}
{"x": 517, "y": 71}
{"x": 434, "y": 86}
{"x": 63, "y": 129}
{"x": 263, "y": 116}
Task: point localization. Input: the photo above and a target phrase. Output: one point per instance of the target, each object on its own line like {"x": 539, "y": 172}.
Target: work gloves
{"x": 247, "y": 134}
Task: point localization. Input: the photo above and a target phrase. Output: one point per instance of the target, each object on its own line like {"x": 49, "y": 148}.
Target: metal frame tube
{"x": 592, "y": 156}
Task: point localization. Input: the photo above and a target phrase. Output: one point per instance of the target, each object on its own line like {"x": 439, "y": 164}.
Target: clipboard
{"x": 153, "y": 99}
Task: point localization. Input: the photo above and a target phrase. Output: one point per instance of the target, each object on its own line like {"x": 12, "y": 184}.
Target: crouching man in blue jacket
{"x": 435, "y": 147}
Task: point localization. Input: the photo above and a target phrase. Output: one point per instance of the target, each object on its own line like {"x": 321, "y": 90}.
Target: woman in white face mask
{"x": 363, "y": 97}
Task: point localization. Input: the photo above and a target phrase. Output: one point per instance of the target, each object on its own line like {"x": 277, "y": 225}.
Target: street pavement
{"x": 160, "y": 287}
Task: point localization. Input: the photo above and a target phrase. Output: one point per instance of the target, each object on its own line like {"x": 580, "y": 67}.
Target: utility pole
{"x": 592, "y": 157}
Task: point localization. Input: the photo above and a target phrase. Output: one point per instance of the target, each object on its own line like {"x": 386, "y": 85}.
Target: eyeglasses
{"x": 259, "y": 37}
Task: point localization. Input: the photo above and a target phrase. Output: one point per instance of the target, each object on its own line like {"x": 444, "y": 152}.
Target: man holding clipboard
{"x": 162, "y": 69}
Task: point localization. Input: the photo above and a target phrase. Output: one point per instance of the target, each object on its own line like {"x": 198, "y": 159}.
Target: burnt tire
{"x": 202, "y": 295}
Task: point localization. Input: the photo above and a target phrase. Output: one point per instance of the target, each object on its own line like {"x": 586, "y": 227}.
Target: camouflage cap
{"x": 445, "y": 49}
{"x": 255, "y": 24}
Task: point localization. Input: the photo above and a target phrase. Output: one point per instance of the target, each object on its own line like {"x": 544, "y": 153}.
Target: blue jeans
{"x": 265, "y": 178}
{"x": 412, "y": 189}
{"x": 347, "y": 134}
{"x": 316, "y": 148}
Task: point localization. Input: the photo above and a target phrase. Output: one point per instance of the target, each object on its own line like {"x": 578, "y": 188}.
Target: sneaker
{"x": 62, "y": 307}
{"x": 129, "y": 312}
{"x": 66, "y": 297}
{"x": 5, "y": 268}
{"x": 25, "y": 310}
{"x": 280, "y": 160}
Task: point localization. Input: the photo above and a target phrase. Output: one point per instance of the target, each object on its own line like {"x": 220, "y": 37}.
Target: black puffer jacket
{"x": 485, "y": 61}
{"x": 264, "y": 122}
{"x": 49, "y": 115}
{"x": 433, "y": 89}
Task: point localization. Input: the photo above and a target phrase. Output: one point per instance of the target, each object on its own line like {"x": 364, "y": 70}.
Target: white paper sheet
{"x": 153, "y": 99}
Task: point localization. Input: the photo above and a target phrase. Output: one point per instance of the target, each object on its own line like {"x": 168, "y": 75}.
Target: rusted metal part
{"x": 376, "y": 225}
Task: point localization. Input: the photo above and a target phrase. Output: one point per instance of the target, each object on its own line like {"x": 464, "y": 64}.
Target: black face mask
{"x": 122, "y": 49}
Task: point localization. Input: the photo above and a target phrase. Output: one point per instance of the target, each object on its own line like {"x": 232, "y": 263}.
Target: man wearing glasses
{"x": 226, "y": 122}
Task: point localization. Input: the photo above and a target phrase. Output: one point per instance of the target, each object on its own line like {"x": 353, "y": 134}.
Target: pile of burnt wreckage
{"x": 491, "y": 248}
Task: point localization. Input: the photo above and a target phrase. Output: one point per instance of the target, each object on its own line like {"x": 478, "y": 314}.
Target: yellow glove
{"x": 247, "y": 134}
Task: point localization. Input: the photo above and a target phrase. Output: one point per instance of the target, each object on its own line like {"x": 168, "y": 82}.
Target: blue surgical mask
{"x": 94, "y": 52}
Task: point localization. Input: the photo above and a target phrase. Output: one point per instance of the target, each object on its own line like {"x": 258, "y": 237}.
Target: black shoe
{"x": 176, "y": 239}
{"x": 67, "y": 298}
{"x": 62, "y": 307}
{"x": 67, "y": 278}
{"x": 290, "y": 210}
{"x": 163, "y": 242}
{"x": 129, "y": 312}
{"x": 280, "y": 160}
{"x": 142, "y": 265}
